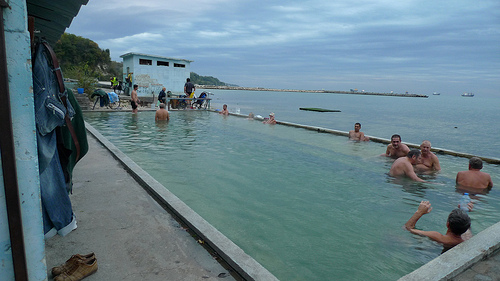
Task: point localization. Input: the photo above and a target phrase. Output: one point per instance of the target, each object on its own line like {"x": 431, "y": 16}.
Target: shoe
{"x": 70, "y": 263}
{"x": 82, "y": 269}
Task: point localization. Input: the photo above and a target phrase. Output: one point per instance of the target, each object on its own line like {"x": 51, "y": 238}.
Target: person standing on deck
{"x": 162, "y": 96}
{"x": 189, "y": 89}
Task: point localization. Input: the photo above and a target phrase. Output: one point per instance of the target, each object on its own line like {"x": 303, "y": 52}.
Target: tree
{"x": 74, "y": 51}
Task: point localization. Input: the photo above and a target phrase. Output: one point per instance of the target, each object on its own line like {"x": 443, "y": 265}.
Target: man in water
{"x": 271, "y": 119}
{"x": 396, "y": 149}
{"x": 356, "y": 134}
{"x": 134, "y": 100}
{"x": 162, "y": 113}
{"x": 458, "y": 225}
{"x": 429, "y": 160}
{"x": 403, "y": 166}
{"x": 189, "y": 90}
{"x": 224, "y": 110}
{"x": 474, "y": 177}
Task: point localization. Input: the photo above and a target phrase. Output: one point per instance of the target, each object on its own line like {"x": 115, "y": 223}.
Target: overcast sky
{"x": 421, "y": 46}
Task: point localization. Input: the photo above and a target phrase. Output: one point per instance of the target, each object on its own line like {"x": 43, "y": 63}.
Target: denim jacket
{"x": 49, "y": 110}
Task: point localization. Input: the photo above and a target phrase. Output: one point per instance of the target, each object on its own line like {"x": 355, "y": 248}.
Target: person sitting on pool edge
{"x": 403, "y": 166}
{"x": 458, "y": 226}
{"x": 396, "y": 149}
{"x": 224, "y": 110}
{"x": 356, "y": 134}
{"x": 271, "y": 119}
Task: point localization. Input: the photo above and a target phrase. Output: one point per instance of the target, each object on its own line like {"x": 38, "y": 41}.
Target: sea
{"x": 309, "y": 205}
{"x": 464, "y": 124}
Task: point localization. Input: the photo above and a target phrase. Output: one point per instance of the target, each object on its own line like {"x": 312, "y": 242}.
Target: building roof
{"x": 52, "y": 17}
{"x": 152, "y": 56}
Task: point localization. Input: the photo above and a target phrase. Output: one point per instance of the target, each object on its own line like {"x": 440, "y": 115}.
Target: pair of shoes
{"x": 80, "y": 270}
{"x": 71, "y": 263}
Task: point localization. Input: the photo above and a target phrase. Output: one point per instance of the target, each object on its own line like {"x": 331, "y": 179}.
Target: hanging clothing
{"x": 50, "y": 113}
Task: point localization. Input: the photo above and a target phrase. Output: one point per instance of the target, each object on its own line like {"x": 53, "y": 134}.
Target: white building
{"x": 151, "y": 73}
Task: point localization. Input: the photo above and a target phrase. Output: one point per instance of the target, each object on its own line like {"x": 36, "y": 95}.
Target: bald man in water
{"x": 474, "y": 177}
{"x": 428, "y": 161}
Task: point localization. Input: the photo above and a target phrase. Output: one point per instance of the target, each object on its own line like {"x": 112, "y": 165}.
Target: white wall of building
{"x": 152, "y": 73}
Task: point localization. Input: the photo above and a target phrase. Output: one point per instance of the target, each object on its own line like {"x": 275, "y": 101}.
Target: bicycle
{"x": 104, "y": 100}
{"x": 122, "y": 88}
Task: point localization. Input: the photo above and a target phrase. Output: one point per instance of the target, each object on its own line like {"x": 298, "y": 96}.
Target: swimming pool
{"x": 306, "y": 205}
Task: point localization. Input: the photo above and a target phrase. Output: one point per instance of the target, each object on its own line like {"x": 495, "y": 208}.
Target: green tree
{"x": 74, "y": 51}
{"x": 85, "y": 75}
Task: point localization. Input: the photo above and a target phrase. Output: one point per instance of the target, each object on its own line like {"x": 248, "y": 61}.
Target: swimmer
{"x": 429, "y": 160}
{"x": 403, "y": 166}
{"x": 162, "y": 113}
{"x": 250, "y": 116}
{"x": 474, "y": 177}
{"x": 356, "y": 134}
{"x": 271, "y": 119}
{"x": 396, "y": 149}
{"x": 224, "y": 110}
{"x": 458, "y": 226}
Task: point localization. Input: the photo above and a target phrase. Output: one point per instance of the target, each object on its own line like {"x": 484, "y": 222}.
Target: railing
{"x": 177, "y": 102}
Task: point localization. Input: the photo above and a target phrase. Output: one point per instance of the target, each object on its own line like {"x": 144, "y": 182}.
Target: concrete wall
{"x": 151, "y": 78}
{"x": 23, "y": 121}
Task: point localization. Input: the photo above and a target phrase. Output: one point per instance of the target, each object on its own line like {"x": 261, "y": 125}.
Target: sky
{"x": 420, "y": 47}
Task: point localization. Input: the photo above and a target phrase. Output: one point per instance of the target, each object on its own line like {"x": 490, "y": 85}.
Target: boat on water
{"x": 436, "y": 94}
{"x": 467, "y": 95}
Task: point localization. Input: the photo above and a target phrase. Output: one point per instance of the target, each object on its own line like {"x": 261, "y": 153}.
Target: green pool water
{"x": 306, "y": 205}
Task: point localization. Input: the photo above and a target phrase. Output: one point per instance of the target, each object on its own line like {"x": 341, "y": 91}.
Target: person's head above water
{"x": 458, "y": 222}
{"x": 476, "y": 163}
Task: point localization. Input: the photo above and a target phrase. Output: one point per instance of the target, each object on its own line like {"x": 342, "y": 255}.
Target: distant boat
{"x": 467, "y": 95}
{"x": 436, "y": 94}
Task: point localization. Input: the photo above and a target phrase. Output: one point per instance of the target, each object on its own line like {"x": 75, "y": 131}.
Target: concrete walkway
{"x": 133, "y": 237}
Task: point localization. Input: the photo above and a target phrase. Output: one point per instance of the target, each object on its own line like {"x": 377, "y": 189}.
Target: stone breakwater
{"x": 309, "y": 91}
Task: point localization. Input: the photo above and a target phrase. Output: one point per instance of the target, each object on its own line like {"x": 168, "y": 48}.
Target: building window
{"x": 162, "y": 63}
{"x": 179, "y": 65}
{"x": 145, "y": 62}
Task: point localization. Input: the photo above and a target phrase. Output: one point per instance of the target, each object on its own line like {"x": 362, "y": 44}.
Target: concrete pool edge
{"x": 490, "y": 160}
{"x": 234, "y": 256}
{"x": 460, "y": 258}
